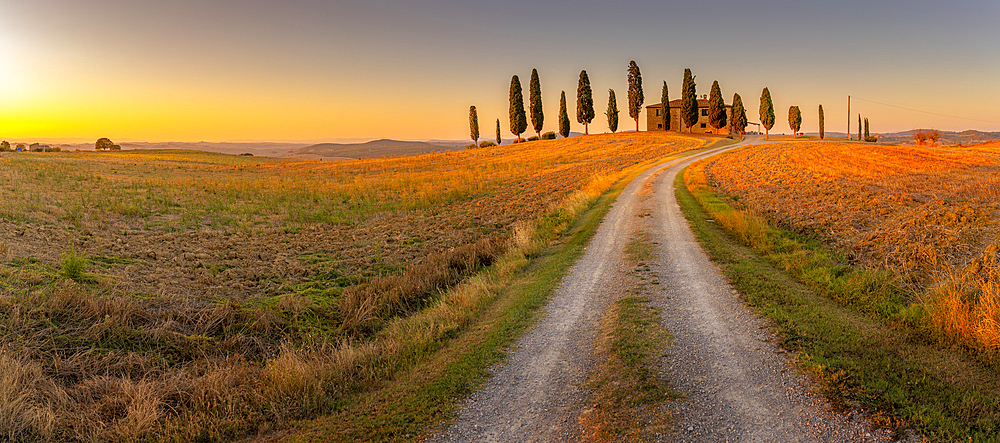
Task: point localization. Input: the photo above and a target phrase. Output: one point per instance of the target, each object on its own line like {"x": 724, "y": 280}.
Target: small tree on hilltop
{"x": 5, "y": 146}
{"x": 612, "y": 112}
{"x": 474, "y": 125}
{"x": 518, "y": 121}
{"x": 716, "y": 108}
{"x": 635, "y": 97}
{"x": 766, "y": 112}
{"x": 665, "y": 106}
{"x": 535, "y": 95}
{"x": 920, "y": 136}
{"x": 103, "y": 144}
{"x": 499, "y": 140}
{"x": 689, "y": 100}
{"x": 563, "y": 116}
{"x": 794, "y": 120}
{"x": 739, "y": 120}
{"x": 933, "y": 136}
{"x": 584, "y": 102}
{"x": 821, "y": 117}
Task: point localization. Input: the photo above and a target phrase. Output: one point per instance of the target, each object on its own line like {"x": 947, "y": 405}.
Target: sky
{"x": 311, "y": 70}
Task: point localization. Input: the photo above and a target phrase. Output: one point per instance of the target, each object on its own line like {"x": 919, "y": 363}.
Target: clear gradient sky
{"x": 226, "y": 70}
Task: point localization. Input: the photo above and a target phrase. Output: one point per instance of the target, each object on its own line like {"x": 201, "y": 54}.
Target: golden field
{"x": 181, "y": 295}
{"x": 929, "y": 215}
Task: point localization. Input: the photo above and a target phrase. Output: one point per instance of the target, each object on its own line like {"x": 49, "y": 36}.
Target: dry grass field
{"x": 929, "y": 215}
{"x": 183, "y": 296}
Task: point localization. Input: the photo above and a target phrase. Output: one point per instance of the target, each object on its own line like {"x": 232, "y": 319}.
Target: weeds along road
{"x": 738, "y": 385}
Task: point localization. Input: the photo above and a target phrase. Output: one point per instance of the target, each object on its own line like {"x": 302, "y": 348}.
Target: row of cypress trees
{"x": 585, "y": 113}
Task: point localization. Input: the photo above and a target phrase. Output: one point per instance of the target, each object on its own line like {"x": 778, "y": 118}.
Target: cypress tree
{"x": 766, "y": 112}
{"x": 794, "y": 120}
{"x": 716, "y": 108}
{"x": 739, "y": 120}
{"x": 584, "y": 102}
{"x": 821, "y": 117}
{"x": 499, "y": 140}
{"x": 635, "y": 97}
{"x": 665, "y": 106}
{"x": 535, "y": 96}
{"x": 563, "y": 116}
{"x": 474, "y": 125}
{"x": 689, "y": 101}
{"x": 612, "y": 112}
{"x": 867, "y": 135}
{"x": 518, "y": 122}
{"x": 859, "y": 127}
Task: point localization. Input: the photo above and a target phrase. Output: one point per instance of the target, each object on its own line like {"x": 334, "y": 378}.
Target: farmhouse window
{"x": 659, "y": 126}
{"x": 657, "y": 112}
{"x": 704, "y": 112}
{"x": 703, "y": 126}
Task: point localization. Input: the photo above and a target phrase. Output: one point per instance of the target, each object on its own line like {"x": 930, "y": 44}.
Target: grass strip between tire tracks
{"x": 864, "y": 358}
{"x": 423, "y": 397}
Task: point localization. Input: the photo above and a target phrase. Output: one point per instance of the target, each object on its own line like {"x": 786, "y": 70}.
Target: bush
{"x": 486, "y": 144}
{"x": 549, "y": 136}
{"x": 73, "y": 265}
{"x": 246, "y": 154}
{"x": 56, "y": 149}
{"x": 532, "y": 139}
{"x": 871, "y": 138}
{"x": 470, "y": 146}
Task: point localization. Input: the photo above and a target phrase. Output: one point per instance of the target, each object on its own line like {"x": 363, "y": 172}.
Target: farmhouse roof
{"x": 677, "y": 103}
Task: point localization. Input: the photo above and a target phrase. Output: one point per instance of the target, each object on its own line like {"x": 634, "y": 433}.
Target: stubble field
{"x": 181, "y": 295}
{"x": 930, "y": 216}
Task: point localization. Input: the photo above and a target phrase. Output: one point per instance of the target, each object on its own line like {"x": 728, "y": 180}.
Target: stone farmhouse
{"x": 655, "y": 119}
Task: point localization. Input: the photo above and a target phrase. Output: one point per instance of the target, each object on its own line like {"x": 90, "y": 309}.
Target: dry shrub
{"x": 966, "y": 305}
{"x": 31, "y": 404}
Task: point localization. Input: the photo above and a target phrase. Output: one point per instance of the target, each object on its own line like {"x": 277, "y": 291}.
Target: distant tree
{"x": 612, "y": 112}
{"x": 4, "y": 146}
{"x": 822, "y": 133}
{"x": 716, "y": 108}
{"x": 739, "y": 120}
{"x": 794, "y": 120}
{"x": 103, "y": 144}
{"x": 920, "y": 136}
{"x": 563, "y": 116}
{"x": 535, "y": 106}
{"x": 635, "y": 97}
{"x": 499, "y": 140}
{"x": 584, "y": 102}
{"x": 518, "y": 121}
{"x": 689, "y": 100}
{"x": 766, "y": 112}
{"x": 665, "y": 106}
{"x": 859, "y": 127}
{"x": 473, "y": 124}
{"x": 933, "y": 136}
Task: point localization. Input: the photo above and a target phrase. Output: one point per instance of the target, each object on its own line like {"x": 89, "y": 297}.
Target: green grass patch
{"x": 850, "y": 327}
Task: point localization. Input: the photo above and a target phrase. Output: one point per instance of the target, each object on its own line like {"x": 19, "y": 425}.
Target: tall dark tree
{"x": 584, "y": 102}
{"x": 563, "y": 116}
{"x": 474, "y": 125}
{"x": 612, "y": 112}
{"x": 739, "y": 120}
{"x": 535, "y": 106}
{"x": 716, "y": 108}
{"x": 766, "y": 112}
{"x": 859, "y": 127}
{"x": 635, "y": 97}
{"x": 499, "y": 140}
{"x": 821, "y": 117}
{"x": 867, "y": 135}
{"x": 518, "y": 121}
{"x": 689, "y": 100}
{"x": 794, "y": 120}
{"x": 665, "y": 106}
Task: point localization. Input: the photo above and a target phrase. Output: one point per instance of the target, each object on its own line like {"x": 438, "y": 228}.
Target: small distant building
{"x": 655, "y": 119}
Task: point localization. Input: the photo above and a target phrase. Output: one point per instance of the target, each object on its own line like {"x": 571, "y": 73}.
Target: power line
{"x": 927, "y": 112}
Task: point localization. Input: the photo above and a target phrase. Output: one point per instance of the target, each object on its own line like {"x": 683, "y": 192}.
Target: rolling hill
{"x": 372, "y": 149}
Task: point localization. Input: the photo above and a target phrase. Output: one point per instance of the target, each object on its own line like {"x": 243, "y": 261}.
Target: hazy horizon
{"x": 302, "y": 71}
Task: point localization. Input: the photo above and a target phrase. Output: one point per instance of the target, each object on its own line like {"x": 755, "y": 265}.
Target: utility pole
{"x": 848, "y": 118}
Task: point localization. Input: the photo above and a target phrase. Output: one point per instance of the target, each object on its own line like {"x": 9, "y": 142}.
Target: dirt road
{"x": 738, "y": 385}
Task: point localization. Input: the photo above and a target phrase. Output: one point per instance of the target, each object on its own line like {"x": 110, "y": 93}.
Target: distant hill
{"x": 372, "y": 149}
